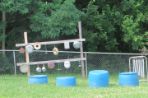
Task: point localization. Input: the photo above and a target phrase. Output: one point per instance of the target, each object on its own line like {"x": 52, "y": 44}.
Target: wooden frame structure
{"x": 81, "y": 59}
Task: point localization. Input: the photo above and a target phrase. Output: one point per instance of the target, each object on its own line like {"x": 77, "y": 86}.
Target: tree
{"x": 100, "y": 24}
{"x": 10, "y": 7}
{"x": 55, "y": 19}
{"x": 108, "y": 25}
{"x": 132, "y": 20}
{"x": 117, "y": 25}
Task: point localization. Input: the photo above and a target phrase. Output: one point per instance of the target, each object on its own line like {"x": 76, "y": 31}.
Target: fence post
{"x": 14, "y": 59}
{"x": 86, "y": 65}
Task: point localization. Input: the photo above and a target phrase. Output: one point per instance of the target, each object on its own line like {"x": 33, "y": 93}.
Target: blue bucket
{"x": 98, "y": 78}
{"x": 38, "y": 79}
{"x": 67, "y": 81}
{"x": 128, "y": 79}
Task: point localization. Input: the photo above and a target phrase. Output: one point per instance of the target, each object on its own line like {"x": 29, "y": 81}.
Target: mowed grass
{"x": 17, "y": 87}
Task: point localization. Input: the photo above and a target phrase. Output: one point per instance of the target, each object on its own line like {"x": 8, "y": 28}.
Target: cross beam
{"x": 50, "y": 42}
{"x": 55, "y": 61}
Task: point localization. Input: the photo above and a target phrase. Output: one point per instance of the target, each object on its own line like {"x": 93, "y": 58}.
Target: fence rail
{"x": 114, "y": 62}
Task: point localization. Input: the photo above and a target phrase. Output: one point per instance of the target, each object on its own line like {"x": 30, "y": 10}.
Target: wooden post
{"x": 27, "y": 54}
{"x": 81, "y": 50}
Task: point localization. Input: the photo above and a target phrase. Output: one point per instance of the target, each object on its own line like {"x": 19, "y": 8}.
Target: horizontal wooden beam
{"x": 50, "y": 42}
{"x": 55, "y": 61}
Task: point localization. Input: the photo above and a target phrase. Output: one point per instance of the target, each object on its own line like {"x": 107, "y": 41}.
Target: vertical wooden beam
{"x": 81, "y": 50}
{"x": 27, "y": 54}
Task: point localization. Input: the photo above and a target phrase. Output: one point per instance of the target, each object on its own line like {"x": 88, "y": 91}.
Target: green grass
{"x": 18, "y": 87}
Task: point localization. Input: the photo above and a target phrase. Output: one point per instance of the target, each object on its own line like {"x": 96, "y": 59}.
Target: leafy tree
{"x": 56, "y": 18}
{"x": 117, "y": 25}
{"x": 131, "y": 23}
{"x": 100, "y": 26}
{"x": 9, "y": 8}
{"x": 108, "y": 25}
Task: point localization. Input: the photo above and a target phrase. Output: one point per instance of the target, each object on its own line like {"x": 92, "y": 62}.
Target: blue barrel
{"x": 66, "y": 81}
{"x": 128, "y": 79}
{"x": 98, "y": 78}
{"x": 38, "y": 79}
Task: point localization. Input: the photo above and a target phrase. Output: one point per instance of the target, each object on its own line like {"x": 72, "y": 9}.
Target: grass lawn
{"x": 17, "y": 87}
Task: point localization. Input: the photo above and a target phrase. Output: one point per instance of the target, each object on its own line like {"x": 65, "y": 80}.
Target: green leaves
{"x": 116, "y": 24}
{"x": 102, "y": 25}
{"x": 108, "y": 25}
{"x": 15, "y": 5}
{"x": 131, "y": 29}
{"x": 62, "y": 20}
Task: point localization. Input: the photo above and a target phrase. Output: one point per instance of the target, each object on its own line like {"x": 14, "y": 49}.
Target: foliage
{"x": 108, "y": 25}
{"x": 12, "y": 6}
{"x": 115, "y": 25}
{"x": 61, "y": 20}
{"x": 131, "y": 23}
{"x": 100, "y": 27}
{"x": 130, "y": 27}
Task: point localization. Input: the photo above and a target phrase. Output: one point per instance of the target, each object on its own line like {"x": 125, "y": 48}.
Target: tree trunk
{"x": 4, "y": 31}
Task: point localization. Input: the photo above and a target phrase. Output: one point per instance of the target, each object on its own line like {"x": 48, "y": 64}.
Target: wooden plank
{"x": 50, "y": 42}
{"x": 27, "y": 54}
{"x": 55, "y": 61}
{"x": 81, "y": 50}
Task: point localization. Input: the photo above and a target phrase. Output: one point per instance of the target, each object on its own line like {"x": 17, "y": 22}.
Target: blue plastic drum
{"x": 128, "y": 79}
{"x": 98, "y": 78}
{"x": 38, "y": 79}
{"x": 67, "y": 81}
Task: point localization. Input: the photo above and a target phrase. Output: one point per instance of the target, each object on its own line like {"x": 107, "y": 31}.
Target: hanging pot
{"x": 38, "y": 69}
{"x": 51, "y": 65}
{"x": 21, "y": 50}
{"x": 67, "y": 64}
{"x": 43, "y": 68}
{"x": 37, "y": 46}
{"x": 23, "y": 68}
{"x": 55, "y": 51}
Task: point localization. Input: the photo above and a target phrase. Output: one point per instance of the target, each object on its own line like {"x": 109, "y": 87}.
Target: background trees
{"x": 116, "y": 25}
{"x": 108, "y": 25}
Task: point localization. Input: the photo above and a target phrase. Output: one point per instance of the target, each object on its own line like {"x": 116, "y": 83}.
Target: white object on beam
{"x": 37, "y": 46}
{"x": 76, "y": 44}
{"x": 66, "y": 45}
{"x": 51, "y": 42}
{"x": 29, "y": 48}
{"x": 55, "y": 51}
{"x": 55, "y": 61}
